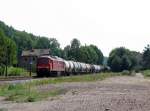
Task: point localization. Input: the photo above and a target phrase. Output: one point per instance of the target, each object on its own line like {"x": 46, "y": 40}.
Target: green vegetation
{"x": 14, "y": 71}
{"x": 146, "y": 57}
{"x": 123, "y": 59}
{"x": 146, "y": 73}
{"x": 28, "y": 92}
{"x": 3, "y": 109}
{"x": 79, "y": 78}
{"x": 2, "y": 70}
{"x": 88, "y": 54}
{"x": 7, "y": 52}
{"x": 13, "y": 42}
{"x": 126, "y": 72}
{"x": 26, "y": 41}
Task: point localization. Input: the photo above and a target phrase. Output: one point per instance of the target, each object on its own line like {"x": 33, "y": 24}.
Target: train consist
{"x": 55, "y": 66}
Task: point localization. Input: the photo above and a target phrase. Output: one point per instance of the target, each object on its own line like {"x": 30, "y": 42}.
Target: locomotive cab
{"x": 43, "y": 66}
{"x": 50, "y": 66}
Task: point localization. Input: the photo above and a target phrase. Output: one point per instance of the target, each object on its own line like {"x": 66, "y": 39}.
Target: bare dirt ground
{"x": 113, "y": 94}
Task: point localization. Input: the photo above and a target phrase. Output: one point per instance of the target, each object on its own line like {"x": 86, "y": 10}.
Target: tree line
{"x": 123, "y": 59}
{"x": 88, "y": 54}
{"x": 13, "y": 42}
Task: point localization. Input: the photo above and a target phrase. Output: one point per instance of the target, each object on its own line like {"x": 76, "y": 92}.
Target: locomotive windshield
{"x": 42, "y": 61}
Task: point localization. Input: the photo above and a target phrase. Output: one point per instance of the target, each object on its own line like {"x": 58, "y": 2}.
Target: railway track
{"x": 14, "y": 78}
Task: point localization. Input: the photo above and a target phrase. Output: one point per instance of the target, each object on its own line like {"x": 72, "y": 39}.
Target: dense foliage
{"x": 146, "y": 57}
{"x": 26, "y": 41}
{"x": 88, "y": 54}
{"x": 7, "y": 52}
{"x": 123, "y": 59}
{"x": 21, "y": 40}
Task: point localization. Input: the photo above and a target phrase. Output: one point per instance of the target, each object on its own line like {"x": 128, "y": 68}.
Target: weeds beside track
{"x": 28, "y": 92}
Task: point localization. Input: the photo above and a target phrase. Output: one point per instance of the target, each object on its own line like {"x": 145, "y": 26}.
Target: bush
{"x": 3, "y": 109}
{"x": 146, "y": 73}
{"x": 13, "y": 71}
{"x": 31, "y": 99}
{"x": 137, "y": 68}
{"x": 126, "y": 72}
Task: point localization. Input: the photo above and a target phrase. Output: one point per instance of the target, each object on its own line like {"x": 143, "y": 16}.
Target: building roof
{"x": 35, "y": 52}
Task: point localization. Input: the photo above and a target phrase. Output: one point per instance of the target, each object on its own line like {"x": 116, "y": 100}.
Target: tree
{"x": 92, "y": 55}
{"x": 83, "y": 54}
{"x": 49, "y": 43}
{"x": 74, "y": 49}
{"x": 116, "y": 64}
{"x": 42, "y": 43}
{"x": 55, "y": 47}
{"x": 99, "y": 54}
{"x": 23, "y": 41}
{"x": 146, "y": 57}
{"x": 137, "y": 62}
{"x": 12, "y": 52}
{"x": 7, "y": 49}
{"x": 75, "y": 44}
{"x": 120, "y": 59}
{"x": 126, "y": 62}
{"x": 7, "y": 52}
{"x": 2, "y": 47}
{"x": 66, "y": 52}
{"x": 88, "y": 55}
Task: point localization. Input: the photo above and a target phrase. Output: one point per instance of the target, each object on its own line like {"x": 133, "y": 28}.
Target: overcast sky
{"x": 105, "y": 23}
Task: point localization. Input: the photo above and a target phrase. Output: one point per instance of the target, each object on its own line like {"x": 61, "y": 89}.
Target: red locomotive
{"x": 47, "y": 65}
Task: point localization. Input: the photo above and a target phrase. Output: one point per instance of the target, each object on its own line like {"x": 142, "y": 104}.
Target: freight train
{"x": 55, "y": 66}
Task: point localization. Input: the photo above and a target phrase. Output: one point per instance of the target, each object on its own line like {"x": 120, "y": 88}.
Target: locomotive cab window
{"x": 43, "y": 61}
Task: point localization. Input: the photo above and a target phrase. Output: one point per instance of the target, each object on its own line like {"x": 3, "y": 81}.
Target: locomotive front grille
{"x": 43, "y": 70}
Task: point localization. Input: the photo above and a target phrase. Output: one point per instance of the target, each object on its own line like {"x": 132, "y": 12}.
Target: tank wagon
{"x": 55, "y": 66}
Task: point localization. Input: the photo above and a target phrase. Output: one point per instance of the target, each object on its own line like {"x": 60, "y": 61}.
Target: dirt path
{"x": 113, "y": 94}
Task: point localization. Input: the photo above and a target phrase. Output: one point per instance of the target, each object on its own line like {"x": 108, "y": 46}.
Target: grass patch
{"x": 79, "y": 78}
{"x": 13, "y": 71}
{"x": 146, "y": 73}
{"x": 3, "y": 109}
{"x": 16, "y": 71}
{"x": 28, "y": 92}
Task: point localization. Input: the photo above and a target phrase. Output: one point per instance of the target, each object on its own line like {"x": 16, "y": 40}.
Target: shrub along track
{"x": 113, "y": 94}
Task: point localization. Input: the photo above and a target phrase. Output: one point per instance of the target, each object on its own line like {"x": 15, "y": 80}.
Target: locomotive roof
{"x": 52, "y": 58}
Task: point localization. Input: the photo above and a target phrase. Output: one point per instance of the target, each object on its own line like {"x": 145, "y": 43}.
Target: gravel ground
{"x": 113, "y": 94}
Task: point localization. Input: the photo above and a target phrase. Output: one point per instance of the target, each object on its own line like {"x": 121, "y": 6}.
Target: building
{"x": 29, "y": 57}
